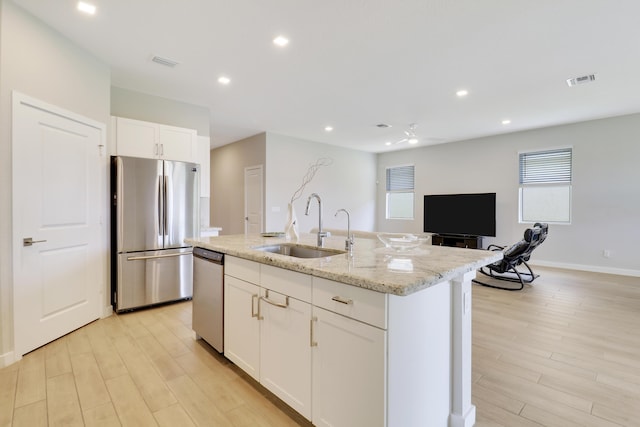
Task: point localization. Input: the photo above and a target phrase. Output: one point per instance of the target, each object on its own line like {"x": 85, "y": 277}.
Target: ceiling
{"x": 357, "y": 63}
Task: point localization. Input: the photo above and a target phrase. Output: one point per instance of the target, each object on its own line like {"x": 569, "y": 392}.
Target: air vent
{"x": 581, "y": 80}
{"x": 164, "y": 61}
{"x": 383, "y": 125}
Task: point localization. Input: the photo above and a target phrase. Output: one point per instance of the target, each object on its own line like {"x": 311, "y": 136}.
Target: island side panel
{"x": 463, "y": 413}
{"x": 420, "y": 358}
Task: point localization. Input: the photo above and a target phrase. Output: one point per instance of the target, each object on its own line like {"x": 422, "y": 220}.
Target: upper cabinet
{"x": 204, "y": 153}
{"x": 136, "y": 138}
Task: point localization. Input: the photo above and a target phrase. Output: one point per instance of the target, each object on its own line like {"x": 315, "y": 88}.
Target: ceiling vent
{"x": 164, "y": 61}
{"x": 581, "y": 80}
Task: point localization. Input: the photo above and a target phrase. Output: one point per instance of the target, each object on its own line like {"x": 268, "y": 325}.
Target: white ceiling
{"x": 353, "y": 64}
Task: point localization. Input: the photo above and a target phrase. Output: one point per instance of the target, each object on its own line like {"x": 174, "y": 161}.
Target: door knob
{"x": 28, "y": 241}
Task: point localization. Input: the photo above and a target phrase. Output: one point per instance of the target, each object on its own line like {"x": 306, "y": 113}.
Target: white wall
{"x": 227, "y": 181}
{"x": 348, "y": 183}
{"x": 606, "y": 189}
{"x": 150, "y": 108}
{"x": 41, "y": 63}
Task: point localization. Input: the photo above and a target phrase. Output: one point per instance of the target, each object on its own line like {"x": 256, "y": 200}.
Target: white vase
{"x": 291, "y": 226}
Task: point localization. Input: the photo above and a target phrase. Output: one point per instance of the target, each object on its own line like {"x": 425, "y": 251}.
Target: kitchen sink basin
{"x": 299, "y": 251}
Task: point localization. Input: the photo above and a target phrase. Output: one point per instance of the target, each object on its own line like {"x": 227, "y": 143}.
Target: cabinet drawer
{"x": 287, "y": 282}
{"x": 360, "y": 304}
{"x": 243, "y": 269}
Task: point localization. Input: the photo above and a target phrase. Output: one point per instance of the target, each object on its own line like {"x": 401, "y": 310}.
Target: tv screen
{"x": 460, "y": 214}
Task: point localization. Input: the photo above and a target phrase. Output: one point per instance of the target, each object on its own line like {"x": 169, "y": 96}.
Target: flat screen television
{"x": 460, "y": 214}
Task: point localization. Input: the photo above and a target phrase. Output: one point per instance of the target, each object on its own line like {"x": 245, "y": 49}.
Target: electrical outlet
{"x": 606, "y": 253}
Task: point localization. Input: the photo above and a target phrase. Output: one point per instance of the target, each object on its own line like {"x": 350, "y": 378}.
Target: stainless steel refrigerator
{"x": 154, "y": 207}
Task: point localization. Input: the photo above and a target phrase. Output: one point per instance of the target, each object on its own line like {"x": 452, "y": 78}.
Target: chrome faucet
{"x": 321, "y": 234}
{"x": 348, "y": 244}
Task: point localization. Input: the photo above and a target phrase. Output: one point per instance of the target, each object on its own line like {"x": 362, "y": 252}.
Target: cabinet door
{"x": 177, "y": 143}
{"x": 285, "y": 352}
{"x": 135, "y": 138}
{"x": 241, "y": 325}
{"x": 349, "y": 371}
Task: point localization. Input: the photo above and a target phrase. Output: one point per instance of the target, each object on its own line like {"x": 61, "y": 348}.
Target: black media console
{"x": 471, "y": 242}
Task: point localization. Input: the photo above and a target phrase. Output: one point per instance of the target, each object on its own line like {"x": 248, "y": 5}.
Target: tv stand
{"x": 471, "y": 242}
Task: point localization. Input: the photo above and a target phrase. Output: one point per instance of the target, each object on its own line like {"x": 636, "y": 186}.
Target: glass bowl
{"x": 401, "y": 241}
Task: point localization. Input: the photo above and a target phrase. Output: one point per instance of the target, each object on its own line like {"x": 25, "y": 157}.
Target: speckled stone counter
{"x": 372, "y": 266}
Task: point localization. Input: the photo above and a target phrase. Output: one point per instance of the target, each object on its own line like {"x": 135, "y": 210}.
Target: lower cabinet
{"x": 348, "y": 371}
{"x": 285, "y": 351}
{"x": 241, "y": 327}
{"x": 326, "y": 363}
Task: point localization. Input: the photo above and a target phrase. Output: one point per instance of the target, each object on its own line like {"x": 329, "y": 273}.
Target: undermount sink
{"x": 299, "y": 251}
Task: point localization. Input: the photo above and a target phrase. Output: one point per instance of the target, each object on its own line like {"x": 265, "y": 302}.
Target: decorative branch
{"x": 323, "y": 161}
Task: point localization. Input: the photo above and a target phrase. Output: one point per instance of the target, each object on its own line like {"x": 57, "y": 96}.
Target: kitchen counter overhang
{"x": 372, "y": 266}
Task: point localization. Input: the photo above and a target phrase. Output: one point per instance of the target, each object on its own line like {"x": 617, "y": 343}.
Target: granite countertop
{"x": 372, "y": 266}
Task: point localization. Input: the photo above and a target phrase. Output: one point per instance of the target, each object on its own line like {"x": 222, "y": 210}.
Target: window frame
{"x": 401, "y": 190}
{"x": 561, "y": 178}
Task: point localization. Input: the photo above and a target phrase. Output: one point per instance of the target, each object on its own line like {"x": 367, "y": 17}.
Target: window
{"x": 545, "y": 186}
{"x": 400, "y": 192}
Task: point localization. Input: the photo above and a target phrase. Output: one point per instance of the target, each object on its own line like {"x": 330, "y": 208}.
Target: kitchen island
{"x": 382, "y": 337}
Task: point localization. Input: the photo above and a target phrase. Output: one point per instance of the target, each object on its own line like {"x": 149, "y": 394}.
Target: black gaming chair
{"x": 513, "y": 256}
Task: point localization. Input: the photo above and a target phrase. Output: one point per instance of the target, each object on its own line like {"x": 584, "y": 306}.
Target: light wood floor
{"x": 562, "y": 352}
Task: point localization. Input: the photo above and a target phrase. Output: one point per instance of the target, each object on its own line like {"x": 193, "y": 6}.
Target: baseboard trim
{"x": 107, "y": 311}
{"x": 7, "y": 359}
{"x": 590, "y": 268}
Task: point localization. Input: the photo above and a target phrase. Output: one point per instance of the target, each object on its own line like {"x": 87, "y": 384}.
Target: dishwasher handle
{"x": 208, "y": 255}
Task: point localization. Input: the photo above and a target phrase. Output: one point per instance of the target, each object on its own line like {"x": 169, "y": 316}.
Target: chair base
{"x": 521, "y": 277}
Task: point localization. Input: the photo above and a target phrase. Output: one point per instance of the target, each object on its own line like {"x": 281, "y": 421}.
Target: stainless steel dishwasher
{"x": 208, "y": 296}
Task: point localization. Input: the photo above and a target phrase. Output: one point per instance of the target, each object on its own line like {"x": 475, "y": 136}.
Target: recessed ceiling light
{"x": 506, "y": 121}
{"x": 281, "y": 41}
{"x": 328, "y": 128}
{"x": 224, "y": 80}
{"x": 387, "y": 143}
{"x": 86, "y": 8}
{"x": 462, "y": 93}
{"x": 412, "y": 140}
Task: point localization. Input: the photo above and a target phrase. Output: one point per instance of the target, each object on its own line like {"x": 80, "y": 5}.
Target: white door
{"x": 57, "y": 203}
{"x": 253, "y": 199}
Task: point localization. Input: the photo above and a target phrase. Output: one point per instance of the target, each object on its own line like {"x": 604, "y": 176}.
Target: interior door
{"x": 58, "y": 251}
{"x": 253, "y": 199}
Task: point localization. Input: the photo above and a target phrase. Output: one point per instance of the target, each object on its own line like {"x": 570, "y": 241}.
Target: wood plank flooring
{"x": 565, "y": 351}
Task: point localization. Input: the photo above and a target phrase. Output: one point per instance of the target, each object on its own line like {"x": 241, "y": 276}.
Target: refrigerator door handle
{"x": 165, "y": 201}
{"x": 139, "y": 258}
{"x": 160, "y": 210}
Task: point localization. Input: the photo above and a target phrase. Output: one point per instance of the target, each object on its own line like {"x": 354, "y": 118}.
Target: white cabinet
{"x": 241, "y": 327}
{"x": 285, "y": 348}
{"x": 136, "y": 138}
{"x": 203, "y": 157}
{"x": 349, "y": 355}
{"x": 267, "y": 332}
{"x": 285, "y": 351}
{"x": 348, "y": 371}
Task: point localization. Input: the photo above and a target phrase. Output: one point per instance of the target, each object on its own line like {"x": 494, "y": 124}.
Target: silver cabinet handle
{"x": 342, "y": 300}
{"x": 266, "y": 299}
{"x": 312, "y": 342}
{"x": 28, "y": 241}
{"x": 254, "y": 313}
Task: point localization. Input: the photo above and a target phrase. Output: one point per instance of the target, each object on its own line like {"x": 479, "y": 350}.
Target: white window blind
{"x": 546, "y": 167}
{"x": 400, "y": 178}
